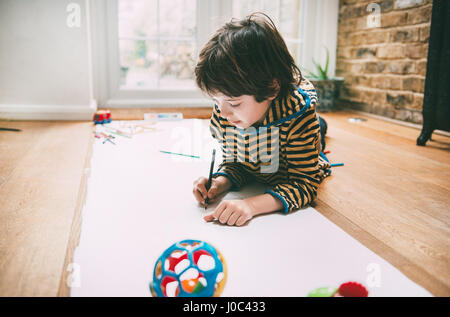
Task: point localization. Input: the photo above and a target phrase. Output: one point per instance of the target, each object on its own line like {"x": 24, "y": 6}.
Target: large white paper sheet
{"x": 139, "y": 202}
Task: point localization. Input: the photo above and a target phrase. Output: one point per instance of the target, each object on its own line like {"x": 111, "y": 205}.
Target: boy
{"x": 262, "y": 105}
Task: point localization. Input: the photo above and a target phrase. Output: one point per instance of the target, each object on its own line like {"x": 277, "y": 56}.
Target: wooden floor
{"x": 41, "y": 169}
{"x": 391, "y": 195}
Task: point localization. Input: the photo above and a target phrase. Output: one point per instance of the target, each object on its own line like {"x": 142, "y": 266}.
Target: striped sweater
{"x": 283, "y": 152}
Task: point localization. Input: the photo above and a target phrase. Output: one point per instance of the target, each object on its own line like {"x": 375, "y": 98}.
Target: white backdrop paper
{"x": 139, "y": 202}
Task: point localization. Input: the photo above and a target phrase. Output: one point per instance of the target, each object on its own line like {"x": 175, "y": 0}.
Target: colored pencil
{"x": 9, "y": 129}
{"x": 194, "y": 156}
{"x": 208, "y": 184}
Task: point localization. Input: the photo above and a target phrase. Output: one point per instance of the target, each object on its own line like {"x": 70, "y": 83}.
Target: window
{"x": 145, "y": 50}
{"x": 287, "y": 16}
{"x": 157, "y": 43}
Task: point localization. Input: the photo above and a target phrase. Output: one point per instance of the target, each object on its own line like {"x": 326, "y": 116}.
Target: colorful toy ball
{"x": 189, "y": 268}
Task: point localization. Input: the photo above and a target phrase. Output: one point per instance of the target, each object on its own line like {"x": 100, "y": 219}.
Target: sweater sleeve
{"x": 234, "y": 171}
{"x": 302, "y": 155}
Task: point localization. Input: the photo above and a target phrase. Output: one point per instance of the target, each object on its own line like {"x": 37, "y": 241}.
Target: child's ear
{"x": 276, "y": 85}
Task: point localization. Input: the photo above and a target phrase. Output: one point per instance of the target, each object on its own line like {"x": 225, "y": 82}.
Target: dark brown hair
{"x": 244, "y": 57}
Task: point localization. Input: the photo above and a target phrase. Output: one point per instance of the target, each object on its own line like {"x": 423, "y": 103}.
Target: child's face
{"x": 242, "y": 111}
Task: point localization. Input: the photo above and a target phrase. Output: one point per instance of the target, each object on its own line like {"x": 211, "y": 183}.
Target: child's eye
{"x": 236, "y": 105}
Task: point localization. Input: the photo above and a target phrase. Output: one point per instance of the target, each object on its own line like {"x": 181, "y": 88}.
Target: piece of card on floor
{"x": 139, "y": 202}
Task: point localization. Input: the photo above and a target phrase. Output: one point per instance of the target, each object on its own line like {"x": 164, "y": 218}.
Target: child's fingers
{"x": 223, "y": 218}
{"x": 209, "y": 217}
{"x": 233, "y": 218}
{"x": 216, "y": 213}
{"x": 199, "y": 192}
{"x": 199, "y": 197}
{"x": 212, "y": 192}
{"x": 241, "y": 221}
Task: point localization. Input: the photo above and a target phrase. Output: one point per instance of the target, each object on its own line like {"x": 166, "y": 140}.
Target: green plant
{"x": 322, "y": 72}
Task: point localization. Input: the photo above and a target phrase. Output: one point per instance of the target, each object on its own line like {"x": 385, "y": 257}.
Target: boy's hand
{"x": 232, "y": 212}
{"x": 219, "y": 185}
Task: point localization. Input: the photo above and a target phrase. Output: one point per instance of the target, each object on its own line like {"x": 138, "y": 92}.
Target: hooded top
{"x": 284, "y": 152}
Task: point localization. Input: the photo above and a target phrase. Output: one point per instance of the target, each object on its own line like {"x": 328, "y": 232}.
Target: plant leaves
{"x": 322, "y": 72}
{"x": 327, "y": 62}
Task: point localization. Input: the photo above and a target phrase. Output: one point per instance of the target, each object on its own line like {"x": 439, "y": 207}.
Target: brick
{"x": 361, "y": 80}
{"x": 399, "y": 99}
{"x": 417, "y": 117}
{"x": 364, "y": 52}
{"x": 350, "y": 93}
{"x": 419, "y": 15}
{"x": 346, "y": 25}
{"x": 376, "y": 37}
{"x": 417, "y": 102}
{"x": 410, "y": 115}
{"x": 401, "y": 67}
{"x": 377, "y": 82}
{"x": 383, "y": 110}
{"x": 355, "y": 68}
{"x": 421, "y": 67}
{"x": 424, "y": 33}
{"x": 386, "y": 5}
{"x": 343, "y": 39}
{"x": 403, "y": 114}
{"x": 351, "y": 11}
{"x": 403, "y": 4}
{"x": 374, "y": 67}
{"x": 369, "y": 37}
{"x": 344, "y": 52}
{"x": 387, "y": 82}
{"x": 373, "y": 96}
{"x": 340, "y": 64}
{"x": 405, "y": 35}
{"x": 391, "y": 51}
{"x": 393, "y": 82}
{"x": 360, "y": 24}
{"x": 349, "y": 2}
{"x": 417, "y": 51}
{"x": 415, "y": 84}
{"x": 357, "y": 39}
{"x": 393, "y": 19}
{"x": 340, "y": 73}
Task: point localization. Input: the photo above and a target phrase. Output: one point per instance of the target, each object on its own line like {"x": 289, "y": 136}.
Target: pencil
{"x": 10, "y": 129}
{"x": 180, "y": 154}
{"x": 337, "y": 164}
{"x": 208, "y": 184}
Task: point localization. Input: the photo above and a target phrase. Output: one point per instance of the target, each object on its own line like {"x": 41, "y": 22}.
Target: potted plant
{"x": 327, "y": 88}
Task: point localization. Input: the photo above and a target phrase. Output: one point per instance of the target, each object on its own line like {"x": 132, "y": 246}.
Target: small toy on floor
{"x": 102, "y": 116}
{"x": 189, "y": 268}
{"x": 349, "y": 289}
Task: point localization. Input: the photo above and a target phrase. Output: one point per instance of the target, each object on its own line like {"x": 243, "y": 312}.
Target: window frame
{"x": 211, "y": 14}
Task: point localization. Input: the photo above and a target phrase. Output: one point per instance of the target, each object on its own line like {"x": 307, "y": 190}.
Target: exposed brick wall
{"x": 384, "y": 67}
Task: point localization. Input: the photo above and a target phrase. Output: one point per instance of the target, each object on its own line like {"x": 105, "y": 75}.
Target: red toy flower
{"x": 352, "y": 289}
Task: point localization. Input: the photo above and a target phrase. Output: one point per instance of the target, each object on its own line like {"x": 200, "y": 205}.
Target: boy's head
{"x": 246, "y": 60}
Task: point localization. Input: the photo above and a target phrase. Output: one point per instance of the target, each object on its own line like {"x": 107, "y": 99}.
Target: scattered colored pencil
{"x": 337, "y": 164}
{"x": 109, "y": 140}
{"x": 118, "y": 132}
{"x": 10, "y": 129}
{"x": 194, "y": 156}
